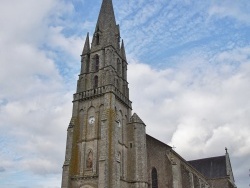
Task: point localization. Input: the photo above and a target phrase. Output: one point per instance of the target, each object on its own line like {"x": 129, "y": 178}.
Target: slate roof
{"x": 214, "y": 167}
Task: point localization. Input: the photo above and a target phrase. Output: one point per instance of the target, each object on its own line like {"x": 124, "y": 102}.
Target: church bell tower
{"x": 97, "y": 139}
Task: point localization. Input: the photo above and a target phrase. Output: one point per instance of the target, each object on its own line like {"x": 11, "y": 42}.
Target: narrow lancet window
{"x": 96, "y": 63}
{"x": 95, "y": 81}
{"x": 87, "y": 64}
{"x": 123, "y": 69}
{"x": 118, "y": 67}
{"x": 154, "y": 178}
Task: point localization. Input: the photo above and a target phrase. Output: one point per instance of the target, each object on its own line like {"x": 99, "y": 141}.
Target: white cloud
{"x": 197, "y": 102}
{"x": 238, "y": 10}
{"x": 200, "y": 107}
{"x": 35, "y": 106}
{"x": 70, "y": 45}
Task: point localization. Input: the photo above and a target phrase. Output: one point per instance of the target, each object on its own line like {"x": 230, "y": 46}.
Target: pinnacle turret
{"x": 136, "y": 119}
{"x": 123, "y": 53}
{"x": 86, "y": 48}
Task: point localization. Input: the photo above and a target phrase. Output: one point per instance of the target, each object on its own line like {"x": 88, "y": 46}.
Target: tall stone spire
{"x": 86, "y": 48}
{"x": 106, "y": 17}
{"x": 106, "y": 32}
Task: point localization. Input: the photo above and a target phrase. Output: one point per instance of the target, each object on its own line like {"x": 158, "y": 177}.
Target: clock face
{"x": 91, "y": 120}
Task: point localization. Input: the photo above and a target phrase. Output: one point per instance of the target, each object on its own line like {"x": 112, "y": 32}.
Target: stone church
{"x": 107, "y": 146}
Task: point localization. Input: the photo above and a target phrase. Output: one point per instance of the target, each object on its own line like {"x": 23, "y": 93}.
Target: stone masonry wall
{"x": 156, "y": 153}
{"x": 220, "y": 183}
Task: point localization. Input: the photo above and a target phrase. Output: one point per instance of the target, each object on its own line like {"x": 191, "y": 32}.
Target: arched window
{"x": 154, "y": 178}
{"x": 123, "y": 69}
{"x": 96, "y": 63}
{"x": 118, "y": 66}
{"x": 95, "y": 81}
{"x": 87, "y": 64}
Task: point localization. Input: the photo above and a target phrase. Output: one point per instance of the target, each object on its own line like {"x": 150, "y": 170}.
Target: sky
{"x": 188, "y": 73}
